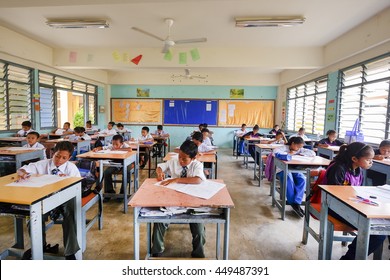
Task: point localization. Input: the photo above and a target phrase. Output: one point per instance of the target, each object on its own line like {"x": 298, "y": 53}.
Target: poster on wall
{"x": 143, "y": 92}
{"x": 236, "y": 93}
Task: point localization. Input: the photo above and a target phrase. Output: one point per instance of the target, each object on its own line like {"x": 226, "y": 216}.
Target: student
{"x": 78, "y": 134}
{"x": 90, "y": 127}
{"x": 275, "y": 129}
{"x": 296, "y": 182}
{"x": 347, "y": 170}
{"x": 184, "y": 170}
{"x": 110, "y": 130}
{"x": 160, "y": 142}
{"x": 206, "y": 139}
{"x": 197, "y": 138}
{"x": 64, "y": 130}
{"x": 121, "y": 129}
{"x": 241, "y": 131}
{"x": 330, "y": 140}
{"x": 383, "y": 152}
{"x": 280, "y": 138}
{"x": 251, "y": 134}
{"x": 145, "y": 137}
{"x": 117, "y": 144}
{"x": 301, "y": 133}
{"x": 32, "y": 142}
{"x": 61, "y": 166}
{"x": 26, "y": 128}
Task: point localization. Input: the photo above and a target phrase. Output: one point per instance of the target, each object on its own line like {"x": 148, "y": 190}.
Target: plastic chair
{"x": 87, "y": 203}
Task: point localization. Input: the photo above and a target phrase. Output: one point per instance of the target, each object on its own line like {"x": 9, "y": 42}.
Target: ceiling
{"x": 325, "y": 21}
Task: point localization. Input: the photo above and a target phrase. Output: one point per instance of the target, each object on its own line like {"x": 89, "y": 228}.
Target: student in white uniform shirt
{"x": 117, "y": 144}
{"x": 64, "y": 130}
{"x": 145, "y": 137}
{"x": 110, "y": 130}
{"x": 301, "y": 133}
{"x": 197, "y": 138}
{"x": 184, "y": 170}
{"x": 206, "y": 138}
{"x": 78, "y": 134}
{"x": 26, "y": 128}
{"x": 61, "y": 166}
{"x": 32, "y": 142}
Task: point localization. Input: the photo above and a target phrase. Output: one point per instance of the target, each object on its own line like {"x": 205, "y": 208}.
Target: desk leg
{"x": 148, "y": 240}
{"x": 323, "y": 227}
{"x": 217, "y": 242}
{"x": 255, "y": 164}
{"x": 363, "y": 238}
{"x": 124, "y": 184}
{"x": 149, "y": 163}
{"x": 36, "y": 231}
{"x": 77, "y": 217}
{"x": 136, "y": 232}
{"x": 19, "y": 240}
{"x": 226, "y": 235}
{"x": 284, "y": 192}
{"x": 216, "y": 166}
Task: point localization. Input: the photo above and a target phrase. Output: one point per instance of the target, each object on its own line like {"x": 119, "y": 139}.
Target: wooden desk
{"x": 40, "y": 200}
{"x": 150, "y": 195}
{"x": 248, "y": 142}
{"x": 258, "y": 153}
{"x": 82, "y": 145}
{"x": 288, "y": 166}
{"x": 21, "y": 154}
{"x": 148, "y": 149}
{"x": 105, "y": 138}
{"x": 127, "y": 159}
{"x": 361, "y": 216}
{"x": 204, "y": 157}
{"x": 56, "y": 136}
{"x": 330, "y": 151}
{"x": 382, "y": 166}
{"x": 161, "y": 139}
{"x": 13, "y": 141}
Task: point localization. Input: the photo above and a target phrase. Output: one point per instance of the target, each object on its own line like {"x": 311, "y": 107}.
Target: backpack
{"x": 315, "y": 193}
{"x": 87, "y": 170}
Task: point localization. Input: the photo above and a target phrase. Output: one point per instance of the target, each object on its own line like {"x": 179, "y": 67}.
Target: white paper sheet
{"x": 382, "y": 195}
{"x": 301, "y": 158}
{"x": 205, "y": 190}
{"x": 37, "y": 181}
{"x": 208, "y": 107}
{"x": 110, "y": 152}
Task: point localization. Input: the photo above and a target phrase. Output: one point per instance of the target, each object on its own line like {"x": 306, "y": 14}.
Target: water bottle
{"x": 285, "y": 157}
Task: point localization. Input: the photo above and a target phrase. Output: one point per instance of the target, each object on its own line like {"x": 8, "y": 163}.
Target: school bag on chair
{"x": 354, "y": 135}
{"x": 87, "y": 170}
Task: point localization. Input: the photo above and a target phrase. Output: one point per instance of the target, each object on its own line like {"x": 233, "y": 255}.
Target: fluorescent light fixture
{"x": 77, "y": 23}
{"x": 269, "y": 21}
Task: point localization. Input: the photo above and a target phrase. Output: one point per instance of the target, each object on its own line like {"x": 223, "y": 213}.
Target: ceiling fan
{"x": 168, "y": 42}
{"x": 188, "y": 75}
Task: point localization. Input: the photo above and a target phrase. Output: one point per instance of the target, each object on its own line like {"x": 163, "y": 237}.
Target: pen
{"x": 367, "y": 201}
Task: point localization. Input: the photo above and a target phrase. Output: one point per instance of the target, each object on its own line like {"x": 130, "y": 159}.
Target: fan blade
{"x": 198, "y": 40}
{"x": 165, "y": 48}
{"x": 187, "y": 71}
{"x": 148, "y": 33}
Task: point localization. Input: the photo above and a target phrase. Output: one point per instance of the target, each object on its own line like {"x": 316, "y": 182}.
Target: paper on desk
{"x": 205, "y": 190}
{"x": 110, "y": 152}
{"x": 301, "y": 158}
{"x": 381, "y": 193}
{"x": 37, "y": 181}
{"x": 22, "y": 148}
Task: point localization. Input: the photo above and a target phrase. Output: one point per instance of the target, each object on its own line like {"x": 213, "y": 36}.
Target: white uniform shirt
{"x": 162, "y": 132}
{"x": 76, "y": 138}
{"x": 173, "y": 167}
{"x": 109, "y": 131}
{"x": 46, "y": 166}
{"x": 22, "y": 133}
{"x": 203, "y": 148}
{"x": 304, "y": 137}
{"x": 38, "y": 146}
{"x": 61, "y": 131}
{"x": 110, "y": 147}
{"x": 240, "y": 132}
{"x": 286, "y": 149}
{"x": 207, "y": 141}
{"x": 148, "y": 137}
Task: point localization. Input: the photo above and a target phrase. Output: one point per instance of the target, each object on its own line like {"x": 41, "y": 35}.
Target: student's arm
{"x": 160, "y": 174}
{"x": 97, "y": 149}
{"x": 335, "y": 175}
{"x": 322, "y": 143}
{"x": 187, "y": 180}
{"x": 379, "y": 157}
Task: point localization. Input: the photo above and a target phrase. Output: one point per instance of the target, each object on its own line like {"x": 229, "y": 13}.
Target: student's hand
{"x": 160, "y": 176}
{"x": 169, "y": 181}
{"x": 23, "y": 175}
{"x": 379, "y": 157}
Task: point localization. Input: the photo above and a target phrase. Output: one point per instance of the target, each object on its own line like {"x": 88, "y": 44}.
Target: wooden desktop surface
{"x": 345, "y": 193}
{"x": 332, "y": 148}
{"x": 201, "y": 157}
{"x": 382, "y": 161}
{"x": 269, "y": 146}
{"x": 29, "y": 195}
{"x": 16, "y": 150}
{"x": 317, "y": 160}
{"x": 12, "y": 139}
{"x": 96, "y": 155}
{"x": 149, "y": 195}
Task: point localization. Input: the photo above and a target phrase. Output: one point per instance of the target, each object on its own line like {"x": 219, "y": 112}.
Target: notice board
{"x": 190, "y": 111}
{"x": 136, "y": 111}
{"x": 251, "y": 112}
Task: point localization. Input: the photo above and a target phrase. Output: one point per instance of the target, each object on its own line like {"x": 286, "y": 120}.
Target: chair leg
{"x": 329, "y": 242}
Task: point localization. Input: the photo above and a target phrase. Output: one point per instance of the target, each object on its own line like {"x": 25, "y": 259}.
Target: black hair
{"x": 145, "y": 128}
{"x": 205, "y": 130}
{"x": 119, "y": 125}
{"x": 89, "y": 122}
{"x": 79, "y": 129}
{"x": 200, "y": 125}
{"x": 33, "y": 133}
{"x": 243, "y": 125}
{"x": 355, "y": 149}
{"x": 112, "y": 123}
{"x": 275, "y": 126}
{"x": 160, "y": 127}
{"x": 64, "y": 146}
{"x": 197, "y": 136}
{"x": 256, "y": 127}
{"x": 68, "y": 123}
{"x": 205, "y": 125}
{"x": 302, "y": 129}
{"x": 384, "y": 143}
{"x": 117, "y": 137}
{"x": 295, "y": 140}
{"x": 189, "y": 148}
{"x": 280, "y": 133}
{"x": 26, "y": 123}
{"x": 330, "y": 131}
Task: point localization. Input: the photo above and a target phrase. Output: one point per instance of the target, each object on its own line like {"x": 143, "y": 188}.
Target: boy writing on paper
{"x": 61, "y": 166}
{"x": 184, "y": 170}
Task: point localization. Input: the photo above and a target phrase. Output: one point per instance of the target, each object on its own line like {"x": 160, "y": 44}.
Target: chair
{"x": 87, "y": 202}
{"x": 131, "y": 171}
{"x": 334, "y": 225}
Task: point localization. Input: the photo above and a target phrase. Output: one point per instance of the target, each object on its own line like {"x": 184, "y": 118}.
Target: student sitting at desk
{"x": 26, "y": 128}
{"x": 32, "y": 142}
{"x": 251, "y": 134}
{"x": 121, "y": 129}
{"x": 347, "y": 170}
{"x": 197, "y": 138}
{"x": 240, "y": 132}
{"x": 78, "y": 134}
{"x": 117, "y": 144}
{"x": 383, "y": 152}
{"x": 145, "y": 137}
{"x": 61, "y": 166}
{"x": 280, "y": 138}
{"x": 64, "y": 130}
{"x": 296, "y": 182}
{"x": 89, "y": 127}
{"x": 275, "y": 129}
{"x": 184, "y": 170}
{"x": 301, "y": 133}
{"x": 330, "y": 140}
{"x": 110, "y": 130}
{"x": 206, "y": 139}
{"x": 160, "y": 142}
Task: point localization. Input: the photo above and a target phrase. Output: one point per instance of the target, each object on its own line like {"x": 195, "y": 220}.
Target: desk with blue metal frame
{"x": 258, "y": 154}
{"x": 330, "y": 151}
{"x": 382, "y": 166}
{"x": 21, "y": 154}
{"x": 13, "y": 141}
{"x": 150, "y": 195}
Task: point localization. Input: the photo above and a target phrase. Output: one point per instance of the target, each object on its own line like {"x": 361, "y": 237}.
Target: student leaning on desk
{"x": 61, "y": 166}
{"x": 184, "y": 170}
{"x": 347, "y": 169}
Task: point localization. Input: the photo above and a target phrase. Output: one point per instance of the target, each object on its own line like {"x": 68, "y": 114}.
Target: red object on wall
{"x": 136, "y": 59}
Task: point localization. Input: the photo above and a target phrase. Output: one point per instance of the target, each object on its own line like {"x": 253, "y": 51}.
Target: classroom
{"x": 325, "y": 68}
